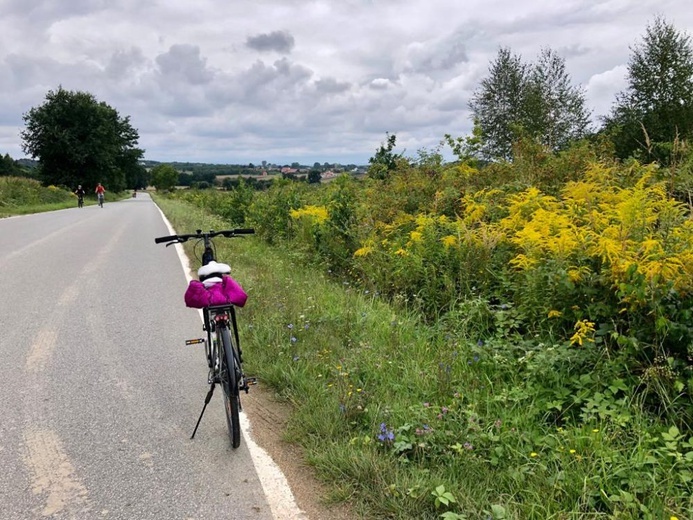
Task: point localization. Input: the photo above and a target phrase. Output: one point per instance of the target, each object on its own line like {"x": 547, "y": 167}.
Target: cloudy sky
{"x": 224, "y": 81}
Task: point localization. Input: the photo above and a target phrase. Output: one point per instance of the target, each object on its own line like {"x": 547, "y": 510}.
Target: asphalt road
{"x": 98, "y": 392}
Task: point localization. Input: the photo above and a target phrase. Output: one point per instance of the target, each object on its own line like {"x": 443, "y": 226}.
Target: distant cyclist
{"x": 100, "y": 190}
{"x": 80, "y": 196}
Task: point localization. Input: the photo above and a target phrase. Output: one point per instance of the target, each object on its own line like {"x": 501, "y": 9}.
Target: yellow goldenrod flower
{"x": 449, "y": 241}
{"x": 317, "y": 213}
{"x": 363, "y": 251}
{"x": 584, "y": 330}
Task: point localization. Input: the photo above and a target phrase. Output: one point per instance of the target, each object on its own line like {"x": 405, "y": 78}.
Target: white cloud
{"x": 601, "y": 89}
{"x": 307, "y": 80}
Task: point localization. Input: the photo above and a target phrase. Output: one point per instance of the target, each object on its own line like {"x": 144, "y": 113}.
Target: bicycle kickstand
{"x": 207, "y": 400}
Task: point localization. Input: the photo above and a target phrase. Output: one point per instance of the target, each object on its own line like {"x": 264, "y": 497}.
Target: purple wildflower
{"x": 385, "y": 435}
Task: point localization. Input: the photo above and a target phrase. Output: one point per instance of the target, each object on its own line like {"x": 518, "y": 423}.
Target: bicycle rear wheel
{"x": 229, "y": 383}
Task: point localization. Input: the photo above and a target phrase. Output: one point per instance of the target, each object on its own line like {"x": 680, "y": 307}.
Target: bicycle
{"x": 80, "y": 201}
{"x": 222, "y": 345}
{"x": 100, "y": 197}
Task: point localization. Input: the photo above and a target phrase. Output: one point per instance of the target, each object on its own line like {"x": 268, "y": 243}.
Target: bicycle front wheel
{"x": 229, "y": 383}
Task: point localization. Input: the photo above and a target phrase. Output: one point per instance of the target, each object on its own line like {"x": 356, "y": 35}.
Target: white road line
{"x": 274, "y": 483}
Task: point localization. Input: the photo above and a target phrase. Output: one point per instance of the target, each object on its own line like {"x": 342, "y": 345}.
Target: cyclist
{"x": 80, "y": 195}
{"x": 100, "y": 190}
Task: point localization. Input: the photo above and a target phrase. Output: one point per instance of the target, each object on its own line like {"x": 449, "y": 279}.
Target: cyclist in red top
{"x": 100, "y": 190}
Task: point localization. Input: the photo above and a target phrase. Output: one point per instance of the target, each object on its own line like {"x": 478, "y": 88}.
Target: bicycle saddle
{"x": 212, "y": 270}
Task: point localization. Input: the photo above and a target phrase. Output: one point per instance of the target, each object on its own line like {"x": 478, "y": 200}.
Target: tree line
{"x": 539, "y": 101}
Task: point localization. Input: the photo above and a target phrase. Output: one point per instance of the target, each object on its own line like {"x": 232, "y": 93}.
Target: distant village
{"x": 191, "y": 173}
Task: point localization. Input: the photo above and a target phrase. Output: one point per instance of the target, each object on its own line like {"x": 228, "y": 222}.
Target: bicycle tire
{"x": 229, "y": 383}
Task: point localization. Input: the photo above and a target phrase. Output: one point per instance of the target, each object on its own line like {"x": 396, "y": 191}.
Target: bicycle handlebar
{"x": 227, "y": 233}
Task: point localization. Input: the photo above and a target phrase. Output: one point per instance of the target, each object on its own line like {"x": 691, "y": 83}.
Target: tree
{"x": 657, "y": 106}
{"x": 9, "y": 166}
{"x": 164, "y": 177}
{"x": 498, "y": 103}
{"x": 556, "y": 113}
{"x": 136, "y": 175}
{"x": 314, "y": 176}
{"x": 530, "y": 100}
{"x": 79, "y": 140}
{"x": 384, "y": 161}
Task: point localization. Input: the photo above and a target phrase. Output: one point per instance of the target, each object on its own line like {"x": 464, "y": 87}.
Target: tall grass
{"x": 412, "y": 418}
{"x": 22, "y": 196}
{"x": 19, "y": 195}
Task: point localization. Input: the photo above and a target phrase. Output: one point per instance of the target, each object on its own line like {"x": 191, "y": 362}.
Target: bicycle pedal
{"x": 196, "y": 341}
{"x": 250, "y": 381}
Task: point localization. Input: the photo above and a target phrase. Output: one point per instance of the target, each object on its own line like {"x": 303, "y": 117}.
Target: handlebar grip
{"x": 165, "y": 239}
{"x": 245, "y": 231}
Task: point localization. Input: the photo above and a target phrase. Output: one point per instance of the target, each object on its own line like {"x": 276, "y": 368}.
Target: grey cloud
{"x": 46, "y": 12}
{"x": 331, "y": 86}
{"x": 573, "y": 51}
{"x": 31, "y": 74}
{"x": 438, "y": 56}
{"x": 184, "y": 104}
{"x": 278, "y": 41}
{"x": 263, "y": 88}
{"x": 183, "y": 63}
{"x": 276, "y": 82}
{"x": 453, "y": 103}
{"x": 123, "y": 62}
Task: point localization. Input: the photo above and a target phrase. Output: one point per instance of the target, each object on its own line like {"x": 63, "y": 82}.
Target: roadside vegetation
{"x": 506, "y": 341}
{"x": 22, "y": 196}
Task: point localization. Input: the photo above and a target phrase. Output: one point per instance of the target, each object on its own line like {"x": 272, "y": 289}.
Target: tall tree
{"x": 164, "y": 177}
{"x": 498, "y": 104}
{"x": 657, "y": 106}
{"x": 555, "y": 108}
{"x": 9, "y": 166}
{"x": 79, "y": 140}
{"x": 536, "y": 100}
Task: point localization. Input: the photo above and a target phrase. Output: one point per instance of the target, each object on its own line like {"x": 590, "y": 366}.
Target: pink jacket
{"x": 228, "y": 290}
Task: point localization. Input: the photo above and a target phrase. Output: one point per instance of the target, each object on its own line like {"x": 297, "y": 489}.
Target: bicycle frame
{"x": 222, "y": 343}
{"x": 211, "y": 317}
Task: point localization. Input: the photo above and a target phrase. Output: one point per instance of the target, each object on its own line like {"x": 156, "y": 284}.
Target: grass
{"x": 407, "y": 420}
